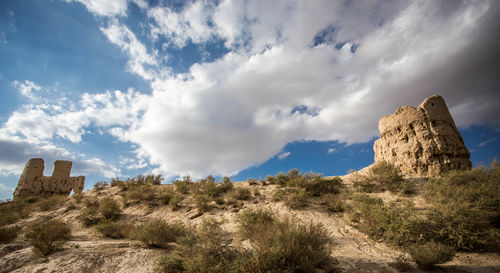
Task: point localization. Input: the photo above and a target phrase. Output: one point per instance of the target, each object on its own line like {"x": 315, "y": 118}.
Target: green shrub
{"x": 202, "y": 202}
{"x": 297, "y": 199}
{"x": 395, "y": 222}
{"x": 242, "y": 194}
{"x": 252, "y": 182}
{"x": 175, "y": 201}
{"x": 166, "y": 195}
{"x": 11, "y": 211}
{"x": 8, "y": 234}
{"x": 431, "y": 253}
{"x": 158, "y": 233}
{"x": 91, "y": 201}
{"x": 318, "y": 186}
{"x": 112, "y": 229}
{"x": 208, "y": 250}
{"x": 466, "y": 207}
{"x": 46, "y": 236}
{"x": 52, "y": 202}
{"x": 89, "y": 216}
{"x": 183, "y": 186}
{"x": 283, "y": 245}
{"x": 333, "y": 202}
{"x": 110, "y": 209}
{"x": 226, "y": 185}
{"x": 279, "y": 195}
{"x": 252, "y": 221}
{"x": 271, "y": 180}
{"x": 139, "y": 193}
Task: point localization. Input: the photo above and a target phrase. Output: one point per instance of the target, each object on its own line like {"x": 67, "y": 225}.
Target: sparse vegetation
{"x": 431, "y": 253}
{"x": 158, "y": 233}
{"x": 47, "y": 236}
{"x": 114, "y": 230}
{"x": 333, "y": 202}
{"x": 109, "y": 209}
{"x": 99, "y": 185}
{"x": 51, "y": 202}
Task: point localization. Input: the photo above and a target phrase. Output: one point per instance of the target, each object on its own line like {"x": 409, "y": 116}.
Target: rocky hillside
{"x": 376, "y": 222}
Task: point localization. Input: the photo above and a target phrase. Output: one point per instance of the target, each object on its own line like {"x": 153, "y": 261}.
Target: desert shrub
{"x": 252, "y": 221}
{"x": 175, "y": 201}
{"x": 51, "y": 202}
{"x": 154, "y": 179}
{"x": 89, "y": 216}
{"x": 8, "y": 234}
{"x": 297, "y": 199}
{"x": 183, "y": 186}
{"x": 166, "y": 195}
{"x": 431, "y": 253}
{"x": 282, "y": 245}
{"x": 252, "y": 182}
{"x": 279, "y": 195}
{"x": 256, "y": 192}
{"x": 11, "y": 211}
{"x": 78, "y": 197}
{"x": 395, "y": 222}
{"x": 226, "y": 185}
{"x": 208, "y": 250}
{"x": 139, "y": 193}
{"x": 242, "y": 194}
{"x": 282, "y": 179}
{"x": 333, "y": 202}
{"x": 466, "y": 207}
{"x": 158, "y": 233}
{"x": 99, "y": 185}
{"x": 110, "y": 209}
{"x": 91, "y": 201}
{"x": 116, "y": 182}
{"x": 318, "y": 186}
{"x": 46, "y": 236}
{"x": 202, "y": 202}
{"x": 112, "y": 229}
{"x": 271, "y": 180}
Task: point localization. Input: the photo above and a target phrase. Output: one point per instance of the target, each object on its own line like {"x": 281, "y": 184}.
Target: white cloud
{"x": 296, "y": 70}
{"x": 27, "y": 88}
{"x": 140, "y": 59}
{"x": 283, "y": 155}
{"x": 486, "y": 142}
{"x": 105, "y": 7}
{"x": 331, "y": 150}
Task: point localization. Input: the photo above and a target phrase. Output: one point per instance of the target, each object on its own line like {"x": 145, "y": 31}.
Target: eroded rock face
{"x": 422, "y": 141}
{"x": 32, "y": 181}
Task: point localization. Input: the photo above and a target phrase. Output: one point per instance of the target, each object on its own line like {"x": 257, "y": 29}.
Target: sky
{"x": 235, "y": 88}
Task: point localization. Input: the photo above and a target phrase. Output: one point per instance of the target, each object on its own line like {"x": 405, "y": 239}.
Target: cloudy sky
{"x": 241, "y": 88}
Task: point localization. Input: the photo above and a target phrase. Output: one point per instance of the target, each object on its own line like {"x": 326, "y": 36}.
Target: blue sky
{"x": 239, "y": 88}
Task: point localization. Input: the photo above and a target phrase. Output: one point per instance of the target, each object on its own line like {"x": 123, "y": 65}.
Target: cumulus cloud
{"x": 109, "y": 7}
{"x": 27, "y": 88}
{"x": 294, "y": 70}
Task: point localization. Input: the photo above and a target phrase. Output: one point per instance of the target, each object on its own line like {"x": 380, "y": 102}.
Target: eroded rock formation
{"x": 422, "y": 141}
{"x": 32, "y": 181}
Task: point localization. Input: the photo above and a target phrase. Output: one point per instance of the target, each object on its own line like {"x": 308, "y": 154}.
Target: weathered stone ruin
{"x": 422, "y": 141}
{"x": 32, "y": 181}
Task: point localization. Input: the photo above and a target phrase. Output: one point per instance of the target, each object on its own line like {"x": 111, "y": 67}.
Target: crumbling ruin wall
{"x": 422, "y": 141}
{"x": 32, "y": 181}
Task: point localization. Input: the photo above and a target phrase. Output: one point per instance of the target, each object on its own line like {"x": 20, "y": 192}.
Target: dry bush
{"x": 114, "y": 230}
{"x": 431, "y": 253}
{"x": 110, "y": 209}
{"x": 297, "y": 199}
{"x": 52, "y": 202}
{"x": 158, "y": 233}
{"x": 89, "y": 216}
{"x": 47, "y": 236}
{"x": 99, "y": 185}
{"x": 334, "y": 202}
